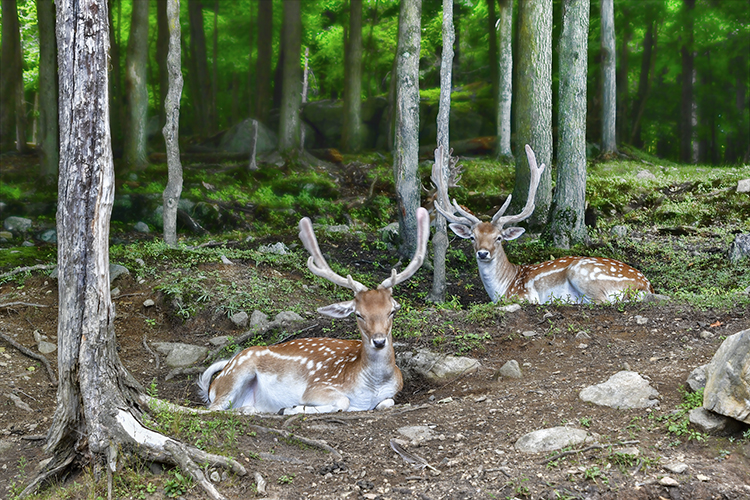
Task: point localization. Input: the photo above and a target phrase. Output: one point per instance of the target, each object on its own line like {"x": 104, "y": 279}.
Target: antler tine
{"x": 423, "y": 233}
{"x": 502, "y": 209}
{"x": 317, "y": 263}
{"x": 536, "y": 175}
{"x": 443, "y": 203}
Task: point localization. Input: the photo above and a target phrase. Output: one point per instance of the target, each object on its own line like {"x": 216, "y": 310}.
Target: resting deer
{"x": 570, "y": 279}
{"x": 320, "y": 375}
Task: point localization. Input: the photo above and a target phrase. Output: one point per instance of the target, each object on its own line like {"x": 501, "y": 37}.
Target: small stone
{"x": 640, "y": 320}
{"x": 510, "y": 308}
{"x": 529, "y": 333}
{"x": 676, "y": 467}
{"x": 701, "y": 477}
{"x": 148, "y": 303}
{"x": 668, "y": 481}
{"x": 215, "y": 477}
{"x": 141, "y": 227}
{"x": 226, "y": 261}
{"x": 240, "y": 319}
{"x": 743, "y": 186}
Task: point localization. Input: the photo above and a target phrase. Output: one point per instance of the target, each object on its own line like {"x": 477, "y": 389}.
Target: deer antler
{"x": 536, "y": 174}
{"x": 442, "y": 202}
{"x": 317, "y": 263}
{"x": 423, "y": 232}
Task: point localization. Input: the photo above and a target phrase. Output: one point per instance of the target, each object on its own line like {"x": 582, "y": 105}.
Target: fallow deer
{"x": 569, "y": 279}
{"x": 320, "y": 375}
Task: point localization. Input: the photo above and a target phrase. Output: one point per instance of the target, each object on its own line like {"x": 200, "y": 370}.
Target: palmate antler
{"x": 319, "y": 267}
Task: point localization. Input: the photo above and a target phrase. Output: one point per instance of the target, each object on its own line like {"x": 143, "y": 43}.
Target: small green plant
{"x": 177, "y": 485}
{"x": 585, "y": 422}
{"x": 678, "y": 422}
{"x": 593, "y": 473}
{"x": 469, "y": 341}
{"x": 286, "y": 479}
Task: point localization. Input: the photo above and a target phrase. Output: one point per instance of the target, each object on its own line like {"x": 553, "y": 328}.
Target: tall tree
{"x": 116, "y": 108}
{"x": 568, "y": 205}
{"x": 263, "y": 63}
{"x": 625, "y": 32}
{"x": 171, "y": 128}
{"x": 406, "y": 139}
{"x": 609, "y": 82}
{"x": 688, "y": 116}
{"x": 534, "y": 103}
{"x": 162, "y": 52}
{"x": 648, "y": 60}
{"x": 48, "y": 136}
{"x": 505, "y": 78}
{"x": 492, "y": 47}
{"x": 352, "y": 129}
{"x": 99, "y": 403}
{"x": 136, "y": 89}
{"x": 199, "y": 75}
{"x": 291, "y": 84}
{"x": 12, "y": 112}
{"x": 442, "y": 153}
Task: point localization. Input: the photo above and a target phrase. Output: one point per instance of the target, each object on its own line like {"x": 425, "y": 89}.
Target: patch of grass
{"x": 678, "y": 422}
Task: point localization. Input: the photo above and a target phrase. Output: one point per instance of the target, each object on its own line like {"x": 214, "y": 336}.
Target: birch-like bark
{"x": 609, "y": 79}
{"x": 406, "y": 139}
{"x": 505, "y": 78}
{"x": 440, "y": 239}
{"x": 291, "y": 85}
{"x": 171, "y": 130}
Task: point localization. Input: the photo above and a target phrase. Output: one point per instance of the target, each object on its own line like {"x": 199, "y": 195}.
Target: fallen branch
{"x": 22, "y": 304}
{"x": 33, "y": 355}
{"x": 29, "y": 268}
{"x": 584, "y": 450}
{"x": 151, "y": 352}
{"x": 308, "y": 441}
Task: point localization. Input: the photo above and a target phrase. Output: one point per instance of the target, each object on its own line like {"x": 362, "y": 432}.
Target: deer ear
{"x": 339, "y": 310}
{"x": 512, "y": 233}
{"x": 461, "y": 230}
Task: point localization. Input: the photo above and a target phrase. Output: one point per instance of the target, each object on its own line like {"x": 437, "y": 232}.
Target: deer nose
{"x": 378, "y": 343}
{"x": 483, "y": 254}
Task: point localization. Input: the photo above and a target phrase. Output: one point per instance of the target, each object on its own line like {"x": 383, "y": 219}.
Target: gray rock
{"x": 619, "y": 231}
{"x": 6, "y": 235}
{"x": 417, "y": 433}
{"x": 555, "y": 438}
{"x": 258, "y": 319}
{"x": 48, "y": 236}
{"x": 141, "y": 227}
{"x": 46, "y": 347}
{"x": 529, "y": 333}
{"x": 510, "y": 308}
{"x": 645, "y": 174}
{"x": 288, "y": 317}
{"x": 181, "y": 355}
{"x": 727, "y": 389}
{"x": 390, "y": 233}
{"x": 743, "y": 186}
{"x": 116, "y": 270}
{"x": 149, "y": 303}
{"x": 740, "y": 248}
{"x": 237, "y": 139}
{"x": 219, "y": 341}
{"x": 676, "y": 467}
{"x": 697, "y": 379}
{"x": 434, "y": 367}
{"x": 712, "y": 423}
{"x": 510, "y": 370}
{"x": 623, "y": 390}
{"x": 240, "y": 319}
{"x": 277, "y": 248}
{"x": 341, "y": 228}
{"x": 640, "y": 320}
{"x": 27, "y": 243}
{"x": 17, "y": 225}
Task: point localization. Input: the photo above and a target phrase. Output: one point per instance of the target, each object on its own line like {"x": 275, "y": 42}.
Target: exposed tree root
{"x": 54, "y": 469}
{"x": 21, "y": 304}
{"x": 29, "y": 268}
{"x": 33, "y": 355}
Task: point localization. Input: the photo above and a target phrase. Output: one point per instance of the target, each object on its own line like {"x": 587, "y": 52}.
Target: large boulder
{"x": 622, "y": 390}
{"x": 727, "y": 390}
{"x": 237, "y": 138}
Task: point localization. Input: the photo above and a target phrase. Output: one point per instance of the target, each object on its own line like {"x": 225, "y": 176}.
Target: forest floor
{"x": 474, "y": 420}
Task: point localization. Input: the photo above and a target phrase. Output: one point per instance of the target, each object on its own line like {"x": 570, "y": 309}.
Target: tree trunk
{"x": 116, "y": 121}
{"x": 609, "y": 83}
{"x": 534, "y": 104}
{"x": 492, "y": 48}
{"x": 505, "y": 79}
{"x": 623, "y": 99}
{"x": 162, "y": 51}
{"x": 263, "y": 63}
{"x": 352, "y": 130}
{"x": 687, "y": 101}
{"x": 644, "y": 82}
{"x": 11, "y": 83}
{"x": 135, "y": 88}
{"x": 201, "y": 85}
{"x": 97, "y": 414}
{"x": 171, "y": 128}
{"x": 291, "y": 85}
{"x": 440, "y": 239}
{"x": 567, "y": 221}
{"x": 48, "y": 136}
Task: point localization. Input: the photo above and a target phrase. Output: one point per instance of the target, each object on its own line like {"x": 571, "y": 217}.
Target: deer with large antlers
{"x": 320, "y": 375}
{"x": 569, "y": 279}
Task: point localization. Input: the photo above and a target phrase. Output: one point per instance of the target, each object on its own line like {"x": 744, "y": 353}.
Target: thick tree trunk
{"x": 48, "y": 136}
{"x": 567, "y": 221}
{"x": 534, "y": 104}
{"x": 136, "y": 155}
{"x": 440, "y": 239}
{"x": 687, "y": 102}
{"x": 171, "y": 128}
{"x": 352, "y": 131}
{"x": 406, "y": 139}
{"x": 609, "y": 82}
{"x": 12, "y": 112}
{"x": 505, "y": 78}
{"x": 201, "y": 85}
{"x": 263, "y": 63}
{"x": 162, "y": 51}
{"x": 291, "y": 86}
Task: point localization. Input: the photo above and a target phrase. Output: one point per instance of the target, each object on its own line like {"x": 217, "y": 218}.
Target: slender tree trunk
{"x": 291, "y": 86}
{"x": 534, "y": 104}
{"x": 644, "y": 83}
{"x": 567, "y": 221}
{"x": 609, "y": 83}
{"x": 162, "y": 51}
{"x": 171, "y": 130}
{"x": 368, "y": 51}
{"x": 505, "y": 79}
{"x": 492, "y": 48}
{"x": 200, "y": 76}
{"x": 440, "y": 239}
{"x": 48, "y": 136}
{"x": 135, "y": 87}
{"x": 406, "y": 139}
{"x": 352, "y": 130}
{"x": 687, "y": 102}
{"x": 12, "y": 112}
{"x": 116, "y": 107}
{"x": 263, "y": 63}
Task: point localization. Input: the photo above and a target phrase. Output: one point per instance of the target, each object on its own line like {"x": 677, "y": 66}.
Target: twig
{"x": 24, "y": 269}
{"x": 33, "y": 355}
{"x": 308, "y": 441}
{"x": 412, "y": 458}
{"x": 156, "y": 356}
{"x": 584, "y": 450}
{"x": 22, "y": 304}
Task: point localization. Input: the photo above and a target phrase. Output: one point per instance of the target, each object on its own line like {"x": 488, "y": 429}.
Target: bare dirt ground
{"x": 475, "y": 419}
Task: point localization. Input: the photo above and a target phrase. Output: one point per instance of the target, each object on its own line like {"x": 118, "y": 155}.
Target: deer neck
{"x": 498, "y": 274}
